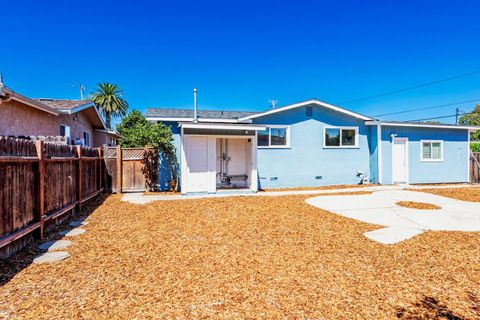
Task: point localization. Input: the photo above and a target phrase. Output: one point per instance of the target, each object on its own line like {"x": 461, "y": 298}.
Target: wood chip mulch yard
{"x": 418, "y": 205}
{"x": 245, "y": 257}
{"x": 471, "y": 194}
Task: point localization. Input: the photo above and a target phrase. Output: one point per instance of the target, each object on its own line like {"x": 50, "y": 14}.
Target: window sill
{"x": 341, "y": 147}
{"x": 274, "y": 147}
{"x": 431, "y": 160}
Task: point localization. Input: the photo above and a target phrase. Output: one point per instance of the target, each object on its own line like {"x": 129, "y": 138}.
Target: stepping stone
{"x": 78, "y": 223}
{"x": 51, "y": 257}
{"x": 55, "y": 245}
{"x": 72, "y": 233}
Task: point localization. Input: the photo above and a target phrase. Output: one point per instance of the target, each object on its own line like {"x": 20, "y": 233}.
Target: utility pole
{"x": 457, "y": 113}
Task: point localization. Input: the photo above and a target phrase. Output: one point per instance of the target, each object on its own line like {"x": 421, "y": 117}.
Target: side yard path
{"x": 246, "y": 257}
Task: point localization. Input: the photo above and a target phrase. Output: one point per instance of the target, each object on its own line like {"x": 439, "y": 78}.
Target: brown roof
{"x": 62, "y": 103}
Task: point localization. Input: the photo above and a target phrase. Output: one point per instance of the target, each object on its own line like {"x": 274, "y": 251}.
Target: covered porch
{"x": 218, "y": 157}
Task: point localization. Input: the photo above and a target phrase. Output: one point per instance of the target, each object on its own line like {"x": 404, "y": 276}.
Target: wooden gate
{"x": 475, "y": 167}
{"x": 136, "y": 168}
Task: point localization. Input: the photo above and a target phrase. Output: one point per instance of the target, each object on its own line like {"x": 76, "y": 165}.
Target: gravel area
{"x": 418, "y": 205}
{"x": 245, "y": 257}
{"x": 471, "y": 194}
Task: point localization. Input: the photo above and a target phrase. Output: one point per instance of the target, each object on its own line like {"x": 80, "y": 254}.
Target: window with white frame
{"x": 274, "y": 137}
{"x": 432, "y": 150}
{"x": 65, "y": 132}
{"x": 340, "y": 137}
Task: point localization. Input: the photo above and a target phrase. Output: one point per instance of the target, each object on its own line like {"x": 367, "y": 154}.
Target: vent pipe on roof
{"x": 195, "y": 113}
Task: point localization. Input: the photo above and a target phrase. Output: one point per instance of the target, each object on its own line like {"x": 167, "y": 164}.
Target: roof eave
{"x": 422, "y": 125}
{"x": 30, "y": 102}
{"x": 305, "y": 103}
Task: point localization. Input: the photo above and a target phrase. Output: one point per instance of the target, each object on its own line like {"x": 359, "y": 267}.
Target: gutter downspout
{"x": 195, "y": 113}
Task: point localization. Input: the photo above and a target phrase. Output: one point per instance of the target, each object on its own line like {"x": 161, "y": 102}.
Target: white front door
{"x": 400, "y": 160}
{"x": 197, "y": 164}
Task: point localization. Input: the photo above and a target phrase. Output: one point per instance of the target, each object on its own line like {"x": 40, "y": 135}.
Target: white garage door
{"x": 197, "y": 164}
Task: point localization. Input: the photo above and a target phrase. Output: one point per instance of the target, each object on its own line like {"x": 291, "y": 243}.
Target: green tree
{"x": 472, "y": 119}
{"x": 108, "y": 98}
{"x": 136, "y": 131}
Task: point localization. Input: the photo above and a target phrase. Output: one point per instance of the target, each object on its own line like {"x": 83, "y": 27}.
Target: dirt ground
{"x": 245, "y": 258}
{"x": 471, "y": 194}
{"x": 418, "y": 205}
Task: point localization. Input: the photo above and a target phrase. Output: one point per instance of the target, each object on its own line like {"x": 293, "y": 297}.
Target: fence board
{"x": 23, "y": 200}
{"x": 475, "y": 167}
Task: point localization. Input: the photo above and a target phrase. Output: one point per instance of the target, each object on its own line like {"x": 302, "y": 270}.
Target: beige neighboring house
{"x": 77, "y": 120}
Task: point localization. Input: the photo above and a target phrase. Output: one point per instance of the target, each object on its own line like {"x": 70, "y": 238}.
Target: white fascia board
{"x": 88, "y": 104}
{"x": 171, "y": 119}
{"x": 422, "y": 125}
{"x": 83, "y": 107}
{"x": 221, "y": 127}
{"x": 305, "y": 103}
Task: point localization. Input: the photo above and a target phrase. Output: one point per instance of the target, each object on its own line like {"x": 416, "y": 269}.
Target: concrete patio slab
{"x": 380, "y": 208}
{"x": 51, "y": 257}
{"x": 78, "y": 223}
{"x": 72, "y": 233}
{"x": 55, "y": 245}
{"x": 391, "y": 235}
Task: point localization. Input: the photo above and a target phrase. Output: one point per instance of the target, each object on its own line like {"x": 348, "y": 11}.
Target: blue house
{"x": 311, "y": 143}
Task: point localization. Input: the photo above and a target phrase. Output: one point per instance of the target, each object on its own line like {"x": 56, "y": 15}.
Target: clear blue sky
{"x": 240, "y": 54}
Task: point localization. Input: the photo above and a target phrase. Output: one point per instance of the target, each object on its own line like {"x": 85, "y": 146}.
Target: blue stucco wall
{"x": 164, "y": 169}
{"x": 373, "y": 148}
{"x": 306, "y": 158}
{"x": 453, "y": 168}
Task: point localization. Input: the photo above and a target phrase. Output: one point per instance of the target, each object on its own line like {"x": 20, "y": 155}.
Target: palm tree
{"x": 108, "y": 98}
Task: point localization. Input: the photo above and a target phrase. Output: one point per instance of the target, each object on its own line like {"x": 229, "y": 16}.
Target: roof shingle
{"x": 63, "y": 103}
{"x": 188, "y": 113}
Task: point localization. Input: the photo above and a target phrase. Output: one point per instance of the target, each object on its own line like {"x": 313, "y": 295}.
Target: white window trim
{"x": 269, "y": 127}
{"x": 340, "y": 146}
{"x": 431, "y": 141}
{"x": 67, "y": 132}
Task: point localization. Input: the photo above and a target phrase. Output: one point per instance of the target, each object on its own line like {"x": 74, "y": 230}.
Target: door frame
{"x": 407, "y": 165}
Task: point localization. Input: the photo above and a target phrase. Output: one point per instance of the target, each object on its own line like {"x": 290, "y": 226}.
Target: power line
{"x": 441, "y": 117}
{"x": 418, "y": 86}
{"x": 427, "y": 108}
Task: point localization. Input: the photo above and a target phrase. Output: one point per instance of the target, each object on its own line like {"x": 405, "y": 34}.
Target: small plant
{"x": 475, "y": 146}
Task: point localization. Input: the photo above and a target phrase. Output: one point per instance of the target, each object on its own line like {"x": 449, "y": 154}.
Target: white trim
{"x": 178, "y": 119}
{"x": 422, "y": 125}
{"x": 355, "y": 146}
{"x": 221, "y": 126}
{"x": 407, "y": 165}
{"x": 83, "y": 107}
{"x": 183, "y": 165}
{"x": 254, "y": 173}
{"x": 431, "y": 141}
{"x": 304, "y": 103}
{"x": 276, "y": 126}
{"x": 379, "y": 156}
{"x": 76, "y": 109}
{"x": 469, "y": 154}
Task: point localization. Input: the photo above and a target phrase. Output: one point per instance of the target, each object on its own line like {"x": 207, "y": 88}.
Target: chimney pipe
{"x": 195, "y": 113}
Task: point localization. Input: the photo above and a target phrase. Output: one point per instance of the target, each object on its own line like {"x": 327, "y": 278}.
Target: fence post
{"x": 119, "y": 169}
{"x": 100, "y": 167}
{"x": 147, "y": 170}
{"x": 79, "y": 180}
{"x": 41, "y": 185}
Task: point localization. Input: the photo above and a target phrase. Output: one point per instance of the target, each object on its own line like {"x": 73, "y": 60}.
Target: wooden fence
{"x": 136, "y": 167}
{"x": 39, "y": 183}
{"x": 475, "y": 167}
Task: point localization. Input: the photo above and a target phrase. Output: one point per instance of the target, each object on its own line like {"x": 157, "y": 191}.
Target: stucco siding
{"x": 307, "y": 159}
{"x": 453, "y": 168}
{"x": 17, "y": 119}
{"x": 164, "y": 169}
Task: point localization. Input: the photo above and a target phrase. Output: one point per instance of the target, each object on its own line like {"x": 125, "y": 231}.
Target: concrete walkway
{"x": 140, "y": 198}
{"x": 401, "y": 223}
